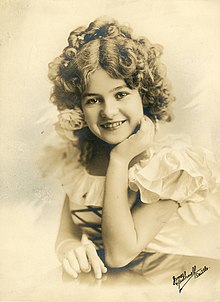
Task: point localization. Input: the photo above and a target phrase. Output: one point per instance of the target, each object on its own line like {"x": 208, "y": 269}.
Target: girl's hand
{"x": 136, "y": 143}
{"x": 83, "y": 258}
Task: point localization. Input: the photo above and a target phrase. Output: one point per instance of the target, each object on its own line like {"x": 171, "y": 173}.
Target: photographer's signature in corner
{"x": 184, "y": 278}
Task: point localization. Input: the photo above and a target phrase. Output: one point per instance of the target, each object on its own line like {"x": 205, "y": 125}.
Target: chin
{"x": 113, "y": 141}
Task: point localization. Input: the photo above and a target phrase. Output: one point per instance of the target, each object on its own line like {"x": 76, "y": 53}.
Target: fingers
{"x": 146, "y": 124}
{"x": 147, "y": 131}
{"x": 96, "y": 263}
{"x": 103, "y": 267}
{"x": 145, "y": 128}
{"x": 76, "y": 261}
{"x": 71, "y": 265}
{"x": 73, "y": 261}
{"x": 83, "y": 259}
{"x": 68, "y": 268}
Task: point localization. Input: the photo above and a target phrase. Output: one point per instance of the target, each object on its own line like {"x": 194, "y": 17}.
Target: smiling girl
{"x": 124, "y": 189}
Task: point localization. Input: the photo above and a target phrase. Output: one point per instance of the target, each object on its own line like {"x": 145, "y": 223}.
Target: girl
{"x": 125, "y": 190}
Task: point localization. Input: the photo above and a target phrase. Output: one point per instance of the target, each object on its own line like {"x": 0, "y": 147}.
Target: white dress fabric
{"x": 173, "y": 169}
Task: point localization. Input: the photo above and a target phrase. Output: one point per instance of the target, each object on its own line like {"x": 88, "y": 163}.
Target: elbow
{"x": 117, "y": 261}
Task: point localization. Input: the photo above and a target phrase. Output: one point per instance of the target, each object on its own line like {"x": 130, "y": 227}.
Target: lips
{"x": 112, "y": 125}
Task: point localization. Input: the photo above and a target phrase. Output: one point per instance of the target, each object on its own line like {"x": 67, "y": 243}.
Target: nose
{"x": 109, "y": 109}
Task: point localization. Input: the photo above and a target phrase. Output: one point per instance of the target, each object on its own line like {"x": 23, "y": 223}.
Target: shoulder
{"x": 57, "y": 155}
{"x": 61, "y": 159}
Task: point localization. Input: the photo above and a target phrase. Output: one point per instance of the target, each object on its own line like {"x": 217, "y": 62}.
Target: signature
{"x": 184, "y": 278}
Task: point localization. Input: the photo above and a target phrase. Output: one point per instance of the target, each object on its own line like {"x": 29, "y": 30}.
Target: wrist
{"x": 64, "y": 246}
{"x": 118, "y": 161}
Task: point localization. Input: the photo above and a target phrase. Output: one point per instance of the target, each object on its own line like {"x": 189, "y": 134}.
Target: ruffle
{"x": 83, "y": 188}
{"x": 174, "y": 170}
{"x": 62, "y": 161}
{"x": 181, "y": 172}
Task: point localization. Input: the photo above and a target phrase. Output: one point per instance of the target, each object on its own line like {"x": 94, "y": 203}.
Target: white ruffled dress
{"x": 174, "y": 169}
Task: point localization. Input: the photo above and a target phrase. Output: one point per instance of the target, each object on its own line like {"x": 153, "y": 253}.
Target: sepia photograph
{"x": 110, "y": 150}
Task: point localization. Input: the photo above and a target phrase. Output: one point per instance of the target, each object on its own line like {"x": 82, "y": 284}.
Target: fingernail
{"x": 87, "y": 269}
{"x": 104, "y": 270}
{"x": 98, "y": 276}
{"x": 75, "y": 275}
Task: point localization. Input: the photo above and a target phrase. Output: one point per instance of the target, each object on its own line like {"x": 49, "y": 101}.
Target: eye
{"x": 121, "y": 94}
{"x": 93, "y": 101}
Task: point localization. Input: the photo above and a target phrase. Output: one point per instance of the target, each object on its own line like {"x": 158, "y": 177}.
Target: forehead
{"x": 100, "y": 82}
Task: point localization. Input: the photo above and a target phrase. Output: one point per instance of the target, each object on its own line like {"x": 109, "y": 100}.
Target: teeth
{"x": 112, "y": 125}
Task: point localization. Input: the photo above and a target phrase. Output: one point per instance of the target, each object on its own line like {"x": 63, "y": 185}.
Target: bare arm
{"x": 126, "y": 232}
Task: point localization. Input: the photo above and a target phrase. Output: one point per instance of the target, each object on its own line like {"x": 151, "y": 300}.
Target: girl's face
{"x": 112, "y": 110}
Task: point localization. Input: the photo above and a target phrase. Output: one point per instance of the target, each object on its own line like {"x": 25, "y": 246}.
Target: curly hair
{"x": 108, "y": 45}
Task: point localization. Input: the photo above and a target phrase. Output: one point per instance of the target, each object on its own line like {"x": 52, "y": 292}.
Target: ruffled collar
{"x": 82, "y": 187}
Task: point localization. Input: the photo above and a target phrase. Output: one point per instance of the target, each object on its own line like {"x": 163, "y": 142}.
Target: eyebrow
{"x": 112, "y": 90}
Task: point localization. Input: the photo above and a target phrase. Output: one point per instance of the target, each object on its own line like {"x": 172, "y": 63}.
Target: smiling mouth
{"x": 112, "y": 126}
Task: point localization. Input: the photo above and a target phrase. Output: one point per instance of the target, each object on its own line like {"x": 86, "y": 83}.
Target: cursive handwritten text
{"x": 184, "y": 278}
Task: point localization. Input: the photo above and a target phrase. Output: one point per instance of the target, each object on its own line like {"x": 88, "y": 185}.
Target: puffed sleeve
{"x": 176, "y": 171}
{"x": 60, "y": 159}
{"x": 55, "y": 157}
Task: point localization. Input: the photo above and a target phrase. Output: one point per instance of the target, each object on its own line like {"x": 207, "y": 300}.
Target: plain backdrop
{"x": 32, "y": 33}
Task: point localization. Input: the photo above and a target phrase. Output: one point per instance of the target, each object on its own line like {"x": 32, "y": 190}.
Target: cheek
{"x": 86, "y": 116}
{"x": 136, "y": 108}
{"x": 90, "y": 116}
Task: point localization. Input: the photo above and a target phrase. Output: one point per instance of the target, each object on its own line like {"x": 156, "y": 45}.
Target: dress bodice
{"x": 172, "y": 169}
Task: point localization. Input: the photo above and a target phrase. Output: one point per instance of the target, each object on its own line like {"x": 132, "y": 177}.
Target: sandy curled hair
{"x": 111, "y": 46}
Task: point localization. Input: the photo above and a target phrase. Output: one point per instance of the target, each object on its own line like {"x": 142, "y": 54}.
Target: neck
{"x": 102, "y": 147}
{"x": 99, "y": 163}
